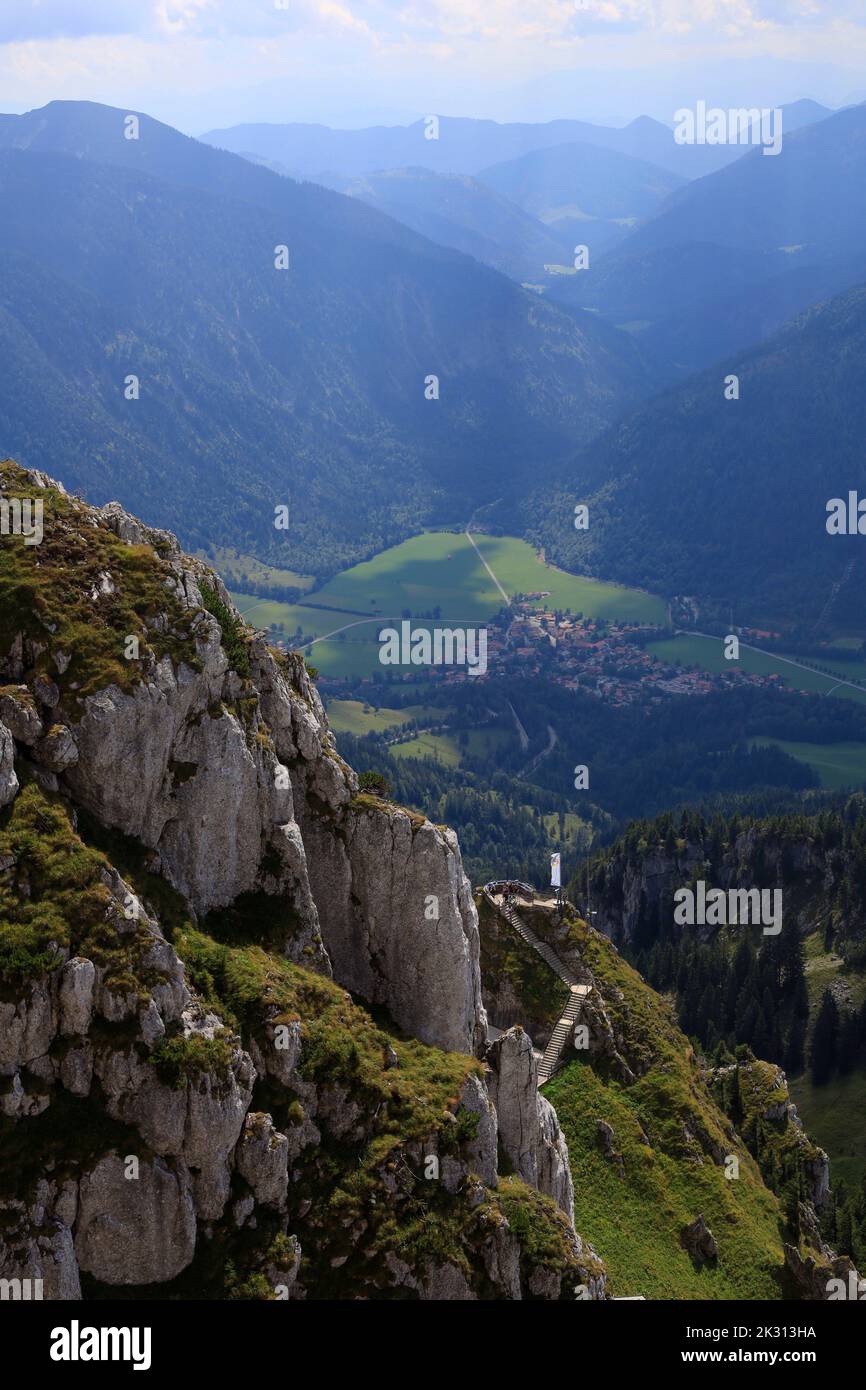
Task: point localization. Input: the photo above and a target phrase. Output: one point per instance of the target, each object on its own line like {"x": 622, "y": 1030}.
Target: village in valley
{"x": 610, "y": 660}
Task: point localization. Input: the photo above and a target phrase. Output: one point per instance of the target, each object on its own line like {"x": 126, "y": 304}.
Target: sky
{"x": 204, "y": 63}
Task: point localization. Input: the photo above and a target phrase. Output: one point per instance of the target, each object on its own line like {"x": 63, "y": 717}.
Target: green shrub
{"x": 467, "y": 1125}
{"x": 182, "y": 1059}
{"x": 375, "y": 783}
{"x": 234, "y": 635}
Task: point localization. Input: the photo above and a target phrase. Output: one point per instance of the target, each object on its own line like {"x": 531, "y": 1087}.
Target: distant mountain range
{"x": 698, "y": 249}
{"x": 155, "y": 257}
{"x": 731, "y": 257}
{"x": 466, "y": 146}
{"x": 313, "y": 387}
{"x": 520, "y": 216}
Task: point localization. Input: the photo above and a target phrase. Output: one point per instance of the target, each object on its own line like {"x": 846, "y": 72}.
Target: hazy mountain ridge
{"x": 463, "y": 213}
{"x": 581, "y": 191}
{"x": 465, "y": 146}
{"x": 259, "y": 387}
{"x": 731, "y": 256}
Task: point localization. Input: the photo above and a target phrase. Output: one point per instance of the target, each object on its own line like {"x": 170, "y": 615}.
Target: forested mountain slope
{"x": 726, "y": 499}
{"x": 731, "y": 256}
{"x": 258, "y": 387}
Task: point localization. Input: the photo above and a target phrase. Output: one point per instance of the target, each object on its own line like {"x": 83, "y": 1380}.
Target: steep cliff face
{"x": 395, "y": 907}
{"x": 528, "y": 1126}
{"x": 189, "y": 885}
{"x": 95, "y": 1011}
{"x": 818, "y": 859}
{"x": 199, "y": 743}
{"x": 755, "y": 1095}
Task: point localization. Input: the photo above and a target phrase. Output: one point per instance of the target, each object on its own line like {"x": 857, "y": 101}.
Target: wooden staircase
{"x": 546, "y": 952}
{"x": 552, "y": 1059}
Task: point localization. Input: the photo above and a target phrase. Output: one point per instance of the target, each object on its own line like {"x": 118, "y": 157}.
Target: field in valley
{"x": 356, "y": 717}
{"x": 839, "y": 765}
{"x": 691, "y": 649}
{"x": 438, "y": 574}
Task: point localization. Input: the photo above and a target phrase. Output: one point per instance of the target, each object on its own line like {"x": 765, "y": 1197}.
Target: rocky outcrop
{"x": 814, "y": 1162}
{"x": 384, "y": 874}
{"x": 153, "y": 1119}
{"x": 699, "y": 1241}
{"x": 262, "y": 1158}
{"x": 528, "y": 1128}
{"x": 771, "y": 1120}
{"x": 135, "y": 1229}
{"x": 208, "y": 795}
{"x": 606, "y": 1141}
{"x": 220, "y": 761}
{"x": 132, "y": 1218}
{"x": 19, "y": 714}
{"x": 395, "y": 907}
{"x": 8, "y": 779}
{"x": 36, "y": 1244}
{"x": 817, "y": 1272}
{"x": 238, "y": 790}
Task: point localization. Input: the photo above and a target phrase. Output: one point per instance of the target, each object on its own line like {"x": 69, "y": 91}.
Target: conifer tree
{"x": 825, "y": 1041}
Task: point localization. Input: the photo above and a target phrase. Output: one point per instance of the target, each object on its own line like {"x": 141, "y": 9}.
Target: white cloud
{"x": 21, "y": 20}
{"x": 253, "y": 57}
{"x": 398, "y": 20}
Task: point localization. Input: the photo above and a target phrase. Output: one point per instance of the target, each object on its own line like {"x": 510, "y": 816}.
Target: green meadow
{"x": 822, "y": 968}
{"x": 450, "y": 750}
{"x": 437, "y": 572}
{"x": 834, "y": 1116}
{"x": 520, "y": 571}
{"x": 354, "y": 717}
{"x": 232, "y": 564}
{"x": 839, "y": 765}
{"x": 689, "y": 649}
{"x": 443, "y": 748}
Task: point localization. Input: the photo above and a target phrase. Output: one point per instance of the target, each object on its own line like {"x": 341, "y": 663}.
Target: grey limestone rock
{"x": 8, "y": 779}
{"x": 135, "y": 1230}
{"x": 528, "y": 1127}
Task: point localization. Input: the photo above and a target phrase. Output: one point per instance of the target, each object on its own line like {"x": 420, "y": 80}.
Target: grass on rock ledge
{"x": 83, "y": 592}
{"x": 53, "y": 899}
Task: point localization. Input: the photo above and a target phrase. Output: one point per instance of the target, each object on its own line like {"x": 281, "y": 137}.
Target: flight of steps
{"x": 561, "y": 1033}
{"x": 552, "y": 1058}
{"x": 546, "y": 952}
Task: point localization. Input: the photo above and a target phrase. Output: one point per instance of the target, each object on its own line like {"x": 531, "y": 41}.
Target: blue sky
{"x": 200, "y": 63}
